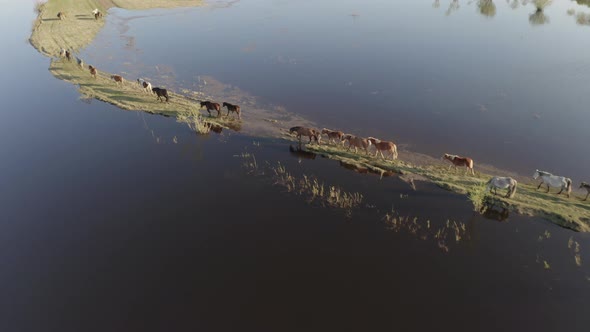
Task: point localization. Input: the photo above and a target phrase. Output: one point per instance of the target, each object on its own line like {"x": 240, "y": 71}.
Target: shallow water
{"x": 117, "y": 220}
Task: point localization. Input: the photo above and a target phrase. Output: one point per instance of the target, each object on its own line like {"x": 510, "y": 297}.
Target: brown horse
{"x": 61, "y": 15}
{"x": 69, "y": 55}
{"x": 117, "y": 79}
{"x": 357, "y": 142}
{"x": 460, "y": 161}
{"x": 97, "y": 15}
{"x": 92, "y": 71}
{"x": 212, "y": 106}
{"x": 381, "y": 146}
{"x": 304, "y": 131}
{"x": 333, "y": 135}
{"x": 232, "y": 108}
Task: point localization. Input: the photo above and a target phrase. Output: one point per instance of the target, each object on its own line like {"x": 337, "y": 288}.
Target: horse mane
{"x": 543, "y": 173}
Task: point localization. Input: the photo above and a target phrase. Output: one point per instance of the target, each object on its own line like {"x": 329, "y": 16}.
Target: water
{"x": 116, "y": 220}
{"x": 497, "y": 88}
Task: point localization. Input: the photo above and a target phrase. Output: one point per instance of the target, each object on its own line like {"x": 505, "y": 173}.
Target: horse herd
{"x": 161, "y": 93}
{"x": 355, "y": 142}
{"x": 494, "y": 183}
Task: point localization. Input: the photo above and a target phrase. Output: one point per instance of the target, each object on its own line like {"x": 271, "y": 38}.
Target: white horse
{"x": 554, "y": 181}
{"x": 502, "y": 183}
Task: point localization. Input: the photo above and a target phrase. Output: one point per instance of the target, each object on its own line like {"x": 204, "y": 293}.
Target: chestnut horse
{"x": 304, "y": 131}
{"x": 61, "y": 15}
{"x": 357, "y": 142}
{"x": 333, "y": 135}
{"x": 381, "y": 146}
{"x": 232, "y": 108}
{"x": 460, "y": 161}
{"x": 117, "y": 79}
{"x": 212, "y": 106}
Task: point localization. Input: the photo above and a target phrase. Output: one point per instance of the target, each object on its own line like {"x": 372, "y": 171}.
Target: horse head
{"x": 583, "y": 185}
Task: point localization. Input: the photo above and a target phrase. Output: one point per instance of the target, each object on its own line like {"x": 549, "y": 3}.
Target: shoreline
{"x": 49, "y": 35}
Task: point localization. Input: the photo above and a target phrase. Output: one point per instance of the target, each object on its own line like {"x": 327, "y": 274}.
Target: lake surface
{"x": 122, "y": 221}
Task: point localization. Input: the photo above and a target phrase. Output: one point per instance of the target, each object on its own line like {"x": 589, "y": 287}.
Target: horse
{"x": 502, "y": 183}
{"x": 80, "y": 62}
{"x": 117, "y": 79}
{"x": 161, "y": 93}
{"x": 147, "y": 86}
{"x": 232, "y": 108}
{"x": 554, "y": 181}
{"x": 304, "y": 131}
{"x": 333, "y": 134}
{"x": 68, "y": 55}
{"x": 92, "y": 71}
{"x": 62, "y": 53}
{"x": 587, "y": 187}
{"x": 357, "y": 142}
{"x": 459, "y": 161}
{"x": 212, "y": 106}
{"x": 381, "y": 146}
{"x": 97, "y": 14}
{"x": 61, "y": 15}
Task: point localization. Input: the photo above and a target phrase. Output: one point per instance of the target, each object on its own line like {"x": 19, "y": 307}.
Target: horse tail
{"x": 394, "y": 151}
{"x": 569, "y": 185}
{"x": 513, "y": 189}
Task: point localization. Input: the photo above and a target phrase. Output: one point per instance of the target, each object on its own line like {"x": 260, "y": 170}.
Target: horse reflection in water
{"x": 496, "y": 212}
{"x": 301, "y": 153}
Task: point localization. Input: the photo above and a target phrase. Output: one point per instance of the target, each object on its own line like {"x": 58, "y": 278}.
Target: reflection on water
{"x": 299, "y": 152}
{"x": 487, "y": 8}
{"x": 495, "y": 211}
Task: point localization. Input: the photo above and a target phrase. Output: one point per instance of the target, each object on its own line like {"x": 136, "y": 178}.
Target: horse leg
{"x": 548, "y": 188}
{"x": 382, "y": 156}
{"x": 540, "y": 184}
{"x": 587, "y": 195}
{"x": 218, "y": 113}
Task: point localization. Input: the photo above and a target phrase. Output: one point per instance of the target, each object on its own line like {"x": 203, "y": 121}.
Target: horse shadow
{"x": 86, "y": 19}
{"x": 50, "y": 19}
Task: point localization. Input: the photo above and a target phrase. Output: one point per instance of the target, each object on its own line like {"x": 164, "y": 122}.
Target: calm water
{"x": 121, "y": 221}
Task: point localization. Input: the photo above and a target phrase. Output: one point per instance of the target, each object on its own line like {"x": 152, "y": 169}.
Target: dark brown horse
{"x": 212, "y": 106}
{"x": 161, "y": 93}
{"x": 69, "y": 55}
{"x": 92, "y": 71}
{"x": 97, "y": 15}
{"x": 61, "y": 15}
{"x": 459, "y": 161}
{"x": 232, "y": 108}
{"x": 304, "y": 131}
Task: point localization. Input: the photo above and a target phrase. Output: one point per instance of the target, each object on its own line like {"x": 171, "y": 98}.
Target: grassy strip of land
{"x": 571, "y": 213}
{"x": 79, "y": 28}
{"x": 129, "y": 95}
